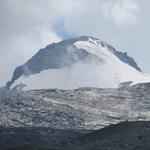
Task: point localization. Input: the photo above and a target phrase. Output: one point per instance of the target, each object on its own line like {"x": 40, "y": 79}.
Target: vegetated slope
{"x": 123, "y": 136}
{"x": 36, "y": 138}
{"x": 83, "y": 108}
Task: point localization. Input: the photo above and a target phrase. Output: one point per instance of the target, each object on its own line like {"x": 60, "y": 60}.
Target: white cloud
{"x": 19, "y": 49}
{"x": 27, "y": 26}
{"x": 122, "y": 12}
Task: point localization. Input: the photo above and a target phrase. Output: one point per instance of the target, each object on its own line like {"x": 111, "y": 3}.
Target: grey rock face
{"x": 62, "y": 54}
{"x": 83, "y": 108}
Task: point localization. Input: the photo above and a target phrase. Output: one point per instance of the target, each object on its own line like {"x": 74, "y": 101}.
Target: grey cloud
{"x": 27, "y": 26}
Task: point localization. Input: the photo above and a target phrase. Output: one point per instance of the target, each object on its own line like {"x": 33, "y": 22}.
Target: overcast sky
{"x": 28, "y": 25}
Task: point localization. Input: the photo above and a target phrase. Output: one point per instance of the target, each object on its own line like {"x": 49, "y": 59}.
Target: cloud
{"x": 121, "y": 12}
{"x": 18, "y": 49}
{"x": 27, "y": 26}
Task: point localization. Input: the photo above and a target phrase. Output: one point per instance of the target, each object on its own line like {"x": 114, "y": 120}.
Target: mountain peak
{"x": 77, "y": 62}
{"x": 123, "y": 56}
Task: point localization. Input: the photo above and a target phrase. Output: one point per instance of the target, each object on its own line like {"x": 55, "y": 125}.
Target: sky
{"x": 28, "y": 25}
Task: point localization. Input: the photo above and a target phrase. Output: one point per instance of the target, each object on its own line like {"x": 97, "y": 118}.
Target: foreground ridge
{"x": 123, "y": 136}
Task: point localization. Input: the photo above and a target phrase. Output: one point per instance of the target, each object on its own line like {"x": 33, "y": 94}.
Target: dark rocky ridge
{"x": 36, "y": 138}
{"x": 123, "y": 136}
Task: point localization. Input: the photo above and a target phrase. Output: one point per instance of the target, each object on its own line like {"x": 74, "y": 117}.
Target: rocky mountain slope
{"x": 82, "y": 61}
{"x": 83, "y": 108}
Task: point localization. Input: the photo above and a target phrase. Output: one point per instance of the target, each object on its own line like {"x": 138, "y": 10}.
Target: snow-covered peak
{"x": 108, "y": 48}
{"x": 121, "y": 71}
{"x": 78, "y": 62}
